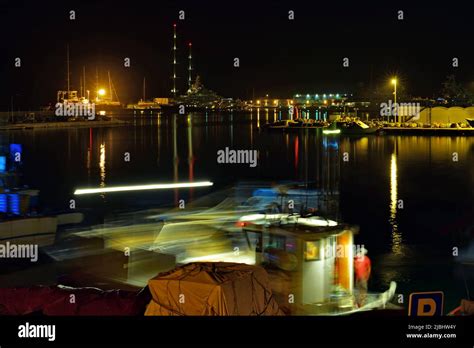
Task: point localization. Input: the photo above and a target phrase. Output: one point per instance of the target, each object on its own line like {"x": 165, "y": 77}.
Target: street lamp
{"x": 12, "y": 98}
{"x": 394, "y": 83}
{"x": 100, "y": 93}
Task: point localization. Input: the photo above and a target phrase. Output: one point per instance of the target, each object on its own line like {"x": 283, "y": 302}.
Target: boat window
{"x": 253, "y": 239}
{"x": 276, "y": 242}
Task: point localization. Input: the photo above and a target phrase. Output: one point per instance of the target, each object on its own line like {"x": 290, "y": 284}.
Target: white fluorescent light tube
{"x": 331, "y": 131}
{"x": 142, "y": 187}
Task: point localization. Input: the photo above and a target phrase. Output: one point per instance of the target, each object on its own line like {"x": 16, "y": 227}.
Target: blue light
{"x": 328, "y": 144}
{"x": 15, "y": 152}
{"x": 3, "y": 164}
{"x": 265, "y": 192}
{"x": 14, "y": 203}
{"x": 3, "y": 203}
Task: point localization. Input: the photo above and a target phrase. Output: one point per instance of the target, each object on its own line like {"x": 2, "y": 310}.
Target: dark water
{"x": 412, "y": 244}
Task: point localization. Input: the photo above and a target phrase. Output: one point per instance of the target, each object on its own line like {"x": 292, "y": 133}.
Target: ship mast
{"x": 84, "y": 80}
{"x": 190, "y": 67}
{"x": 115, "y": 91}
{"x": 144, "y": 88}
{"x": 110, "y": 84}
{"x": 96, "y": 83}
{"x": 67, "y": 55}
{"x": 174, "y": 91}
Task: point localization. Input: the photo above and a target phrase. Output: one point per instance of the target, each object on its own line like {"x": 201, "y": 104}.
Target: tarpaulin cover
{"x": 65, "y": 301}
{"x": 212, "y": 289}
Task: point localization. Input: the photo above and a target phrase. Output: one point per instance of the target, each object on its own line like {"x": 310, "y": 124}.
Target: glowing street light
{"x": 101, "y": 92}
{"x": 394, "y": 83}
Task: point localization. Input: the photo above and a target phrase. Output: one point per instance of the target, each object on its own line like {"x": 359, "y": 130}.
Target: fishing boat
{"x": 77, "y": 105}
{"x": 353, "y": 127}
{"x": 69, "y": 102}
{"x": 311, "y": 258}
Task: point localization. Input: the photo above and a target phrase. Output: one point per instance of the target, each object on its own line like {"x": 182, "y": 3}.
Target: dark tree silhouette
{"x": 455, "y": 93}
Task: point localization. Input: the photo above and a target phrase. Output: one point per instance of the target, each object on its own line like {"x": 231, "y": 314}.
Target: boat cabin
{"x": 315, "y": 261}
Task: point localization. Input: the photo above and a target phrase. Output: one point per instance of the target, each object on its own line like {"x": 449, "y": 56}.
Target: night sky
{"x": 277, "y": 56}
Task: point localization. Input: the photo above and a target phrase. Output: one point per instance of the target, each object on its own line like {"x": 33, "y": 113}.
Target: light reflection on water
{"x": 396, "y": 235}
{"x": 102, "y": 167}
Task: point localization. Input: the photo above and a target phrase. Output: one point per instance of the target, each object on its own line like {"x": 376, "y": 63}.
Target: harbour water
{"x": 412, "y": 196}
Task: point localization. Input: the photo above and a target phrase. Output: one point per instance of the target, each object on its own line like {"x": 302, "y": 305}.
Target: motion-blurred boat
{"x": 466, "y": 308}
{"x": 311, "y": 259}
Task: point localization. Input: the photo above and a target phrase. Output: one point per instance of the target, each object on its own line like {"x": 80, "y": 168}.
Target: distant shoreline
{"x": 63, "y": 124}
